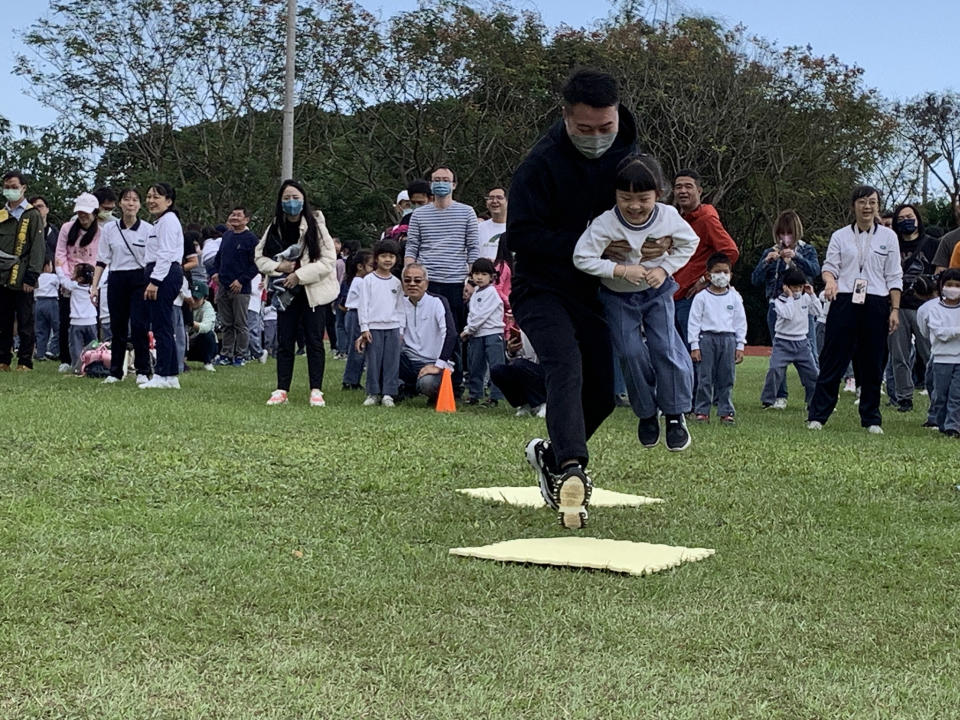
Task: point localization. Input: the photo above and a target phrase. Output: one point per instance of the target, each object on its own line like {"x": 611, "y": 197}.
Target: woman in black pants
{"x": 121, "y": 251}
{"x": 309, "y": 285}
{"x": 863, "y": 282}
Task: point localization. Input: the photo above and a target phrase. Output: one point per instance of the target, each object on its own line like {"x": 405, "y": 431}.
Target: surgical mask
{"x": 786, "y": 240}
{"x": 105, "y": 215}
{"x": 406, "y": 211}
{"x": 292, "y": 206}
{"x": 441, "y": 188}
{"x": 796, "y": 295}
{"x": 907, "y": 227}
{"x": 951, "y": 293}
{"x": 12, "y": 194}
{"x": 721, "y": 280}
{"x": 592, "y": 146}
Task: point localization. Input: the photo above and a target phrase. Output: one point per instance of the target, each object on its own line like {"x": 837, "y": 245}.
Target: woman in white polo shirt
{"x": 863, "y": 282}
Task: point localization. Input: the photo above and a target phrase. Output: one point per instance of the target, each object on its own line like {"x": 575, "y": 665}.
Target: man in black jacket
{"x": 566, "y": 181}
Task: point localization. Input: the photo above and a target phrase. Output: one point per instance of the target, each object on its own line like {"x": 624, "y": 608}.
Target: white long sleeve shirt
{"x": 353, "y": 294}
{"x": 379, "y": 307}
{"x": 48, "y": 285}
{"x": 873, "y": 255}
{"x": 123, "y": 248}
{"x": 485, "y": 316}
{"x": 425, "y": 330}
{"x": 792, "y": 316}
{"x": 941, "y": 323}
{"x": 82, "y": 309}
{"x": 164, "y": 246}
{"x": 717, "y": 313}
{"x": 664, "y": 221}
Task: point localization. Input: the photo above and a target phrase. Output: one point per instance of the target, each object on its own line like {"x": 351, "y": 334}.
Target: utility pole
{"x": 286, "y": 164}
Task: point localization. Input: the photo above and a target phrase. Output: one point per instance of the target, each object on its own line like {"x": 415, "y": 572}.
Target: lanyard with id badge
{"x": 860, "y": 284}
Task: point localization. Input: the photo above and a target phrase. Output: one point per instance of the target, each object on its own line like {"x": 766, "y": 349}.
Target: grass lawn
{"x": 199, "y": 555}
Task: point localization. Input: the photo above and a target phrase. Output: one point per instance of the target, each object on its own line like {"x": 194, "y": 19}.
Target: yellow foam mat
{"x": 620, "y": 556}
{"x": 530, "y": 497}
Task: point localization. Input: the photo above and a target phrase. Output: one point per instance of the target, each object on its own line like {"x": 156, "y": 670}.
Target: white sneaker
{"x": 371, "y": 400}
{"x": 850, "y": 385}
{"x": 387, "y": 401}
{"x": 875, "y": 430}
{"x": 316, "y": 399}
{"x": 209, "y": 367}
{"x": 64, "y": 368}
{"x": 110, "y": 379}
{"x": 277, "y": 397}
{"x": 780, "y": 404}
{"x": 263, "y": 357}
{"x": 924, "y": 392}
{"x": 173, "y": 382}
{"x": 541, "y": 411}
{"x": 141, "y": 379}
{"x": 814, "y": 425}
{"x": 524, "y": 411}
{"x": 155, "y": 383}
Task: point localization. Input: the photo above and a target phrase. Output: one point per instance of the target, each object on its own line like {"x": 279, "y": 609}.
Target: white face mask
{"x": 951, "y": 293}
{"x": 796, "y": 295}
{"x": 721, "y": 280}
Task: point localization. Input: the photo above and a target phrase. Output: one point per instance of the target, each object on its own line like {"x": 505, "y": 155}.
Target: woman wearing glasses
{"x": 863, "y": 281}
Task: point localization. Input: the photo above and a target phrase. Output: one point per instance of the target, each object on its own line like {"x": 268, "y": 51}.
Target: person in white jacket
{"x": 790, "y": 345}
{"x": 483, "y": 332}
{"x": 311, "y": 278}
{"x": 940, "y": 322}
{"x": 637, "y": 296}
{"x": 717, "y": 332}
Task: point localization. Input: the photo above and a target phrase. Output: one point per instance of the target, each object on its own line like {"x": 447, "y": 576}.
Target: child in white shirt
{"x": 381, "y": 317}
{"x": 47, "y": 314}
{"x": 359, "y": 266}
{"x": 83, "y": 313}
{"x": 940, "y": 321}
{"x": 637, "y": 295}
{"x": 483, "y": 332}
{"x": 790, "y": 341}
{"x": 717, "y": 333}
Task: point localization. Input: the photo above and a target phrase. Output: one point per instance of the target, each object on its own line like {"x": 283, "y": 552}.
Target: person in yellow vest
{"x": 21, "y": 262}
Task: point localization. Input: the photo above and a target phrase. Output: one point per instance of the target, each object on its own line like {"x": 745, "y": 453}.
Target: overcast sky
{"x": 904, "y": 49}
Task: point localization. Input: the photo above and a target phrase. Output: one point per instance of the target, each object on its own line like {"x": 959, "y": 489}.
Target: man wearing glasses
{"x": 491, "y": 230}
{"x": 429, "y": 336}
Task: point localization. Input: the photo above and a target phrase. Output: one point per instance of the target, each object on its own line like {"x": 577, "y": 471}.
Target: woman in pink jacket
{"x": 77, "y": 243}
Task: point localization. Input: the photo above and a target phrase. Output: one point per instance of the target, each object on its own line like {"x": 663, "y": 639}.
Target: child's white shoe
{"x": 875, "y": 430}
{"x": 277, "y": 397}
{"x": 142, "y": 379}
{"x": 173, "y": 382}
{"x": 371, "y": 400}
{"x": 209, "y": 367}
{"x": 316, "y": 398}
{"x": 110, "y": 379}
{"x": 541, "y": 411}
{"x": 387, "y": 401}
{"x": 814, "y": 425}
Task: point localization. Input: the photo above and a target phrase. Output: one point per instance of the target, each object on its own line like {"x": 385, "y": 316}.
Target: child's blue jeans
{"x": 484, "y": 353}
{"x": 47, "y": 323}
{"x": 946, "y": 397}
{"x": 355, "y": 359}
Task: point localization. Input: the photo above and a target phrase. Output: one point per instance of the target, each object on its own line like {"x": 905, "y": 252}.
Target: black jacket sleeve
{"x": 450, "y": 341}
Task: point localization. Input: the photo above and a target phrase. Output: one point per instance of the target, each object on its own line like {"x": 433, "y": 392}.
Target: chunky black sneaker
{"x": 548, "y": 483}
{"x": 905, "y": 406}
{"x": 573, "y": 496}
{"x": 648, "y": 431}
{"x": 678, "y": 438}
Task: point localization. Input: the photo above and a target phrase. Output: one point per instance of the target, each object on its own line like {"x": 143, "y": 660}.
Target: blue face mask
{"x": 441, "y": 188}
{"x": 907, "y": 227}
{"x": 292, "y": 206}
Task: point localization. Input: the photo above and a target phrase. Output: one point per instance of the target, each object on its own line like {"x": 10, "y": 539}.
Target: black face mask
{"x": 906, "y": 227}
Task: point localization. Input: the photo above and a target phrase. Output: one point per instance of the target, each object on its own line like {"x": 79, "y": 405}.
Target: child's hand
{"x": 656, "y": 277}
{"x": 787, "y": 291}
{"x": 737, "y": 357}
{"x": 634, "y": 274}
{"x": 808, "y": 289}
{"x": 695, "y": 355}
{"x": 366, "y": 337}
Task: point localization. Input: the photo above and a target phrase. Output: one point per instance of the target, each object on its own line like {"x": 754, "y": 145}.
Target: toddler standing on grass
{"x": 717, "y": 333}
{"x": 83, "y": 313}
{"x": 940, "y": 321}
{"x": 483, "y": 332}
{"x": 47, "y": 315}
{"x": 381, "y": 317}
{"x": 790, "y": 340}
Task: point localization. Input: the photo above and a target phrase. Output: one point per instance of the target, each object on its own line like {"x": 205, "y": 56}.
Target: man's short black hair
{"x": 241, "y": 208}
{"x": 863, "y": 191}
{"x": 15, "y": 174}
{"x": 793, "y": 277}
{"x": 105, "y": 194}
{"x": 421, "y": 187}
{"x": 443, "y": 166}
{"x": 591, "y": 87}
{"x": 690, "y": 173}
{"x": 33, "y": 200}
{"x": 717, "y": 258}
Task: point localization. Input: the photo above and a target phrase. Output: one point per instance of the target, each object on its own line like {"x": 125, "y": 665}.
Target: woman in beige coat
{"x": 296, "y": 253}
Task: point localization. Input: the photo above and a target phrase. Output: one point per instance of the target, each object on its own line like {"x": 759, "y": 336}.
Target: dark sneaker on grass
{"x": 573, "y": 496}
{"x": 648, "y": 431}
{"x": 930, "y": 425}
{"x": 535, "y": 451}
{"x": 678, "y": 438}
{"x": 905, "y": 406}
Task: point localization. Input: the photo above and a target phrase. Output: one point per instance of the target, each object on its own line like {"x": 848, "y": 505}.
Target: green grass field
{"x": 199, "y": 555}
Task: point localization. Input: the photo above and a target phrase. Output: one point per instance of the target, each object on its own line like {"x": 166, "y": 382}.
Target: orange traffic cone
{"x": 445, "y": 401}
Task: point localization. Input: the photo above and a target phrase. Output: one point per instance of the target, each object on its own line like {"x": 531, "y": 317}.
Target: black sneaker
{"x": 678, "y": 438}
{"x": 930, "y": 425}
{"x": 489, "y": 403}
{"x": 905, "y": 406}
{"x": 952, "y": 434}
{"x": 573, "y": 495}
{"x": 648, "y": 431}
{"x": 472, "y": 401}
{"x": 535, "y": 452}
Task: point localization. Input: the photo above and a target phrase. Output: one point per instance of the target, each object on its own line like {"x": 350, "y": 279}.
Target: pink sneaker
{"x": 278, "y": 397}
{"x": 316, "y": 399}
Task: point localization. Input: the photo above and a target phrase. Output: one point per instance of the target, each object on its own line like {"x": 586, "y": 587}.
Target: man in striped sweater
{"x": 443, "y": 238}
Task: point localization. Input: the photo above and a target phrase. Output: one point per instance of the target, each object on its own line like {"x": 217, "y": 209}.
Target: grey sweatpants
{"x": 383, "y": 363}
{"x": 899, "y": 343}
{"x": 232, "y": 313}
{"x": 786, "y": 352}
{"x": 717, "y": 373}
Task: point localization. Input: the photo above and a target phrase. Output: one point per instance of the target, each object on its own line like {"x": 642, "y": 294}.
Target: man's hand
{"x": 236, "y": 287}
{"x": 465, "y": 335}
{"x": 894, "y": 321}
{"x": 656, "y": 277}
{"x": 617, "y": 251}
{"x": 366, "y": 337}
{"x": 699, "y": 285}
{"x": 514, "y": 344}
{"x": 737, "y": 357}
{"x": 468, "y": 291}
{"x": 633, "y": 274}
{"x": 772, "y": 256}
{"x": 830, "y": 289}
{"x": 695, "y": 355}
{"x": 28, "y": 288}
{"x": 150, "y": 293}
{"x": 215, "y": 278}
{"x": 429, "y": 370}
